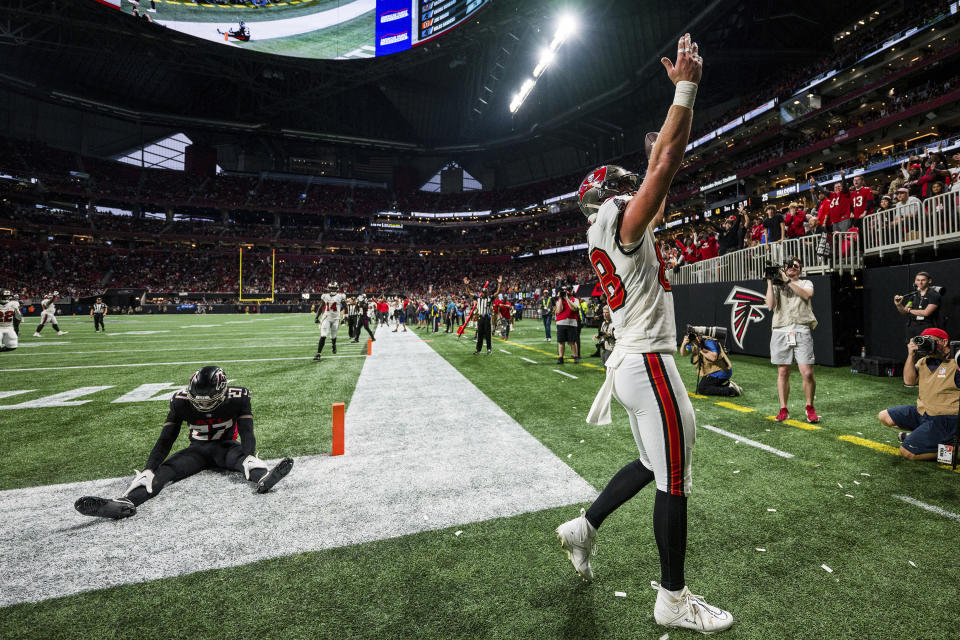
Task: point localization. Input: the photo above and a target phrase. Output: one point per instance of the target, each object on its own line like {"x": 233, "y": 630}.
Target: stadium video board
{"x": 321, "y": 29}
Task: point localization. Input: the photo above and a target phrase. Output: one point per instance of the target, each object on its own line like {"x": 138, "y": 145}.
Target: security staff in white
{"x": 792, "y": 338}
{"x": 641, "y": 373}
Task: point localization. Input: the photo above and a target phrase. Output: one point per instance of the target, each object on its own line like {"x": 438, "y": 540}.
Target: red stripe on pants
{"x": 671, "y": 421}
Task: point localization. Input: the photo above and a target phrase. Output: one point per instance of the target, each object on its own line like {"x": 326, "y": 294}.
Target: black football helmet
{"x": 208, "y": 388}
{"x": 603, "y": 183}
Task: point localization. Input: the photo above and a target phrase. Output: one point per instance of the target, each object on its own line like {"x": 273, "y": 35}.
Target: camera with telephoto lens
{"x": 926, "y": 346}
{"x": 772, "y": 272}
{"x": 695, "y": 332}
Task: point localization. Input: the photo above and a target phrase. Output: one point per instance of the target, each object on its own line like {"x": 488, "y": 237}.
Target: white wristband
{"x": 685, "y": 94}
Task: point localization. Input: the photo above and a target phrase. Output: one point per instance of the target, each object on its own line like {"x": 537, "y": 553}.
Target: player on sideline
{"x": 331, "y": 304}
{"x": 641, "y": 373}
{"x": 216, "y": 414}
{"x": 49, "y": 314}
{"x": 9, "y": 316}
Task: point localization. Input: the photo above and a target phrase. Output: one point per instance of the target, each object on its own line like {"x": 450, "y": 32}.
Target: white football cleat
{"x": 579, "y": 538}
{"x": 689, "y": 611}
{"x": 62, "y": 333}
{"x": 736, "y": 387}
{"x": 36, "y": 334}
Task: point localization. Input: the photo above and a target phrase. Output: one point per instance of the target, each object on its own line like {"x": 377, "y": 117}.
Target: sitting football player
{"x": 216, "y": 414}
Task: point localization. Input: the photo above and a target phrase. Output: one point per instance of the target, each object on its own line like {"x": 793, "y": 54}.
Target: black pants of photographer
{"x": 710, "y": 386}
{"x": 483, "y": 331}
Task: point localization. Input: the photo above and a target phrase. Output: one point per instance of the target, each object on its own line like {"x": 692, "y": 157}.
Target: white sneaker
{"x": 62, "y": 333}
{"x": 36, "y": 334}
{"x": 689, "y": 611}
{"x": 736, "y": 387}
{"x": 579, "y": 538}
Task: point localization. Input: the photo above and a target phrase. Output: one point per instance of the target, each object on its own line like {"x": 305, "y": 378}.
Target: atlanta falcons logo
{"x": 747, "y": 307}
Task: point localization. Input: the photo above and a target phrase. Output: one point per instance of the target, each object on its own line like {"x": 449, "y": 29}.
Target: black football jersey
{"x": 219, "y": 424}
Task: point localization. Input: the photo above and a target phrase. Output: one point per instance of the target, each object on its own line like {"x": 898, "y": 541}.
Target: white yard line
{"x": 504, "y": 351}
{"x": 266, "y": 29}
{"x": 752, "y": 443}
{"x": 401, "y": 475}
{"x": 563, "y": 373}
{"x": 929, "y": 507}
{"x": 157, "y": 364}
{"x": 346, "y": 349}
{"x": 528, "y": 360}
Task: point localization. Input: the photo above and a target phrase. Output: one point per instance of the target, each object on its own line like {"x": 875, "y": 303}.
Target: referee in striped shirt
{"x": 97, "y": 312}
{"x": 482, "y": 311}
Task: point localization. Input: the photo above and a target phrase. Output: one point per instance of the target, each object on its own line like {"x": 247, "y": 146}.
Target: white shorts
{"x": 789, "y": 345}
{"x": 329, "y": 326}
{"x": 661, "y": 416}
{"x": 8, "y": 338}
{"x": 48, "y": 317}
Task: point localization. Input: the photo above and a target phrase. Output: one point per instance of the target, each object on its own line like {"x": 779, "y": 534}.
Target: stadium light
{"x": 567, "y": 25}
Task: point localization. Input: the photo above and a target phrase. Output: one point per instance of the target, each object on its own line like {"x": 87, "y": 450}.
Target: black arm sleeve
{"x": 168, "y": 435}
{"x": 248, "y": 443}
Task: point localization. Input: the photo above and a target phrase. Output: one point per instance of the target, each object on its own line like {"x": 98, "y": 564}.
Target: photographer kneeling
{"x": 714, "y": 369}
{"x": 934, "y": 420}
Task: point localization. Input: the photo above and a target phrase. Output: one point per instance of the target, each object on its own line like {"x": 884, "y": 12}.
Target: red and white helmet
{"x": 604, "y": 183}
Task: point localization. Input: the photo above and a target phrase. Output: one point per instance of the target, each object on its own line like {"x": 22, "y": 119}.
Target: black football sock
{"x": 320, "y": 345}
{"x": 623, "y": 486}
{"x": 334, "y": 343}
{"x": 56, "y": 328}
{"x": 670, "y": 530}
{"x": 39, "y": 328}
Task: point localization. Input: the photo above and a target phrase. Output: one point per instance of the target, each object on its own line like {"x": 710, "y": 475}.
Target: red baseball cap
{"x": 936, "y": 333}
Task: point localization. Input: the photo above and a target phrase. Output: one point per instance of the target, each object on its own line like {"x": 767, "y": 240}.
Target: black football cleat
{"x": 275, "y": 475}
{"x": 316, "y": 357}
{"x": 334, "y": 348}
{"x": 105, "y": 507}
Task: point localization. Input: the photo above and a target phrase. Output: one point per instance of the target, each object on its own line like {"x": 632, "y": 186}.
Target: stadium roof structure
{"x": 448, "y": 97}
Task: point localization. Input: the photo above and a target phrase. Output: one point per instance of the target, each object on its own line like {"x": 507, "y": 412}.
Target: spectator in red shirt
{"x": 839, "y": 204}
{"x": 794, "y": 220}
{"x": 709, "y": 247}
{"x": 861, "y": 198}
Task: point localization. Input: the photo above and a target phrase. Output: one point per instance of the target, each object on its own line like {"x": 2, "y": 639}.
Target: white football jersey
{"x": 51, "y": 309}
{"x": 635, "y": 282}
{"x": 332, "y": 303}
{"x": 8, "y": 311}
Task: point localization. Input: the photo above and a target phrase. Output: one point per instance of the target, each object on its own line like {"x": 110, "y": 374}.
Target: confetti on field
{"x": 736, "y": 442}
{"x": 826, "y": 568}
{"x": 771, "y": 509}
{"x": 912, "y": 564}
{"x": 859, "y": 433}
{"x": 736, "y": 470}
{"x": 456, "y": 533}
{"x": 767, "y": 430}
{"x": 856, "y": 482}
{"x": 840, "y": 485}
{"x": 620, "y": 594}
{"x": 425, "y": 518}
{"x": 582, "y": 441}
{"x": 760, "y": 549}
{"x": 665, "y": 636}
{"x": 569, "y": 455}
{"x": 864, "y": 474}
{"x": 848, "y": 495}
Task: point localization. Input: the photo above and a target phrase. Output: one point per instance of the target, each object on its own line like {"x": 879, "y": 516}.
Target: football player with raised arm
{"x": 331, "y": 306}
{"x": 217, "y": 415}
{"x": 641, "y": 372}
{"x": 49, "y": 314}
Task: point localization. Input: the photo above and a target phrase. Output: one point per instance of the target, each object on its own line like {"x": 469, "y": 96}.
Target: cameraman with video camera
{"x": 933, "y": 421}
{"x": 714, "y": 369}
{"x": 790, "y": 299}
{"x": 921, "y": 306}
{"x": 605, "y": 339}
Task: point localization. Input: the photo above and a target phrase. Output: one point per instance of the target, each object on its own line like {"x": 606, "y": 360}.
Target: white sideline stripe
{"x": 401, "y": 475}
{"x": 528, "y": 360}
{"x": 505, "y": 351}
{"x": 157, "y": 364}
{"x": 929, "y": 507}
{"x": 752, "y": 443}
{"x": 563, "y": 373}
{"x": 267, "y": 29}
{"x": 356, "y": 349}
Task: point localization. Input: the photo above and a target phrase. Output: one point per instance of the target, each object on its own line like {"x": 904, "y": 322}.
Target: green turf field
{"x": 188, "y": 10}
{"x": 324, "y": 44}
{"x": 501, "y": 578}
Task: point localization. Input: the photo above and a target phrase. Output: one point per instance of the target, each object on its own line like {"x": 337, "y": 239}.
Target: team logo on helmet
{"x": 602, "y": 184}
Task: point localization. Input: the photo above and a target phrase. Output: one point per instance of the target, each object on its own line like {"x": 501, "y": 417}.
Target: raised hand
{"x": 689, "y": 64}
